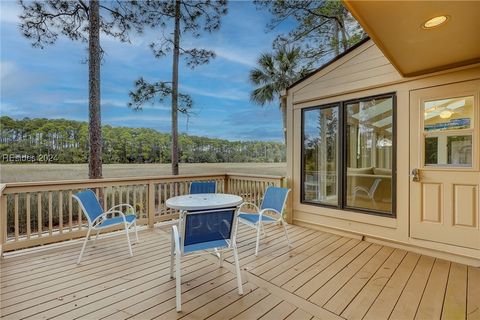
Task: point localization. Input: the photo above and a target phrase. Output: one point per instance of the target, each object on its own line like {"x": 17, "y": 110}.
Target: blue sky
{"x": 52, "y": 82}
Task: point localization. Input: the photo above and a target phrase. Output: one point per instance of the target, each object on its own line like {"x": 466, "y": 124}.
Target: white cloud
{"x": 117, "y": 104}
{"x": 7, "y": 68}
{"x": 16, "y": 80}
{"x": 244, "y": 57}
{"x": 230, "y": 94}
{"x": 105, "y": 102}
{"x": 9, "y": 12}
{"x": 137, "y": 117}
{"x": 76, "y": 101}
{"x": 10, "y": 110}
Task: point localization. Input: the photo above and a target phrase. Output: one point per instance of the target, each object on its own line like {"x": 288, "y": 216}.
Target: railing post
{"x": 289, "y": 204}
{"x": 3, "y": 219}
{"x": 151, "y": 204}
{"x": 225, "y": 183}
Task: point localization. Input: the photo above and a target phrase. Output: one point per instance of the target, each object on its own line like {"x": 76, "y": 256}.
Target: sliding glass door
{"x": 320, "y": 158}
{"x": 369, "y": 154}
{"x": 348, "y": 155}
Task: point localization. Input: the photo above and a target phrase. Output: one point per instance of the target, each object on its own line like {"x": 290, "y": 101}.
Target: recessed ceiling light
{"x": 435, "y": 22}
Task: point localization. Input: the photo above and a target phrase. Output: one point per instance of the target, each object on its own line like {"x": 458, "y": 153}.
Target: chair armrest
{"x": 269, "y": 209}
{"x": 119, "y": 212}
{"x": 121, "y": 205}
{"x": 360, "y": 188}
{"x": 176, "y": 239}
{"x": 101, "y": 217}
{"x": 249, "y": 204}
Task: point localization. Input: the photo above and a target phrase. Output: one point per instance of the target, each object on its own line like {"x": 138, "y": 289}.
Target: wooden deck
{"x": 323, "y": 276}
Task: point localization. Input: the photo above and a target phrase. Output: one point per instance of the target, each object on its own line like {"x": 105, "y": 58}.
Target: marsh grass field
{"x": 53, "y": 172}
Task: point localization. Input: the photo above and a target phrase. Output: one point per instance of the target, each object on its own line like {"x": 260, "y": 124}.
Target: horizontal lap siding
{"x": 368, "y": 68}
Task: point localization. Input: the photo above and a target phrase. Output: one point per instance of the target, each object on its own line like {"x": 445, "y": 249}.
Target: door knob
{"x": 415, "y": 175}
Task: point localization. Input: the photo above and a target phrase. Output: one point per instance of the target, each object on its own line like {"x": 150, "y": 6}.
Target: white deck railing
{"x": 37, "y": 213}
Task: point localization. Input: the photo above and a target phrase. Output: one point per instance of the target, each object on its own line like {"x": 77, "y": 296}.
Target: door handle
{"x": 415, "y": 175}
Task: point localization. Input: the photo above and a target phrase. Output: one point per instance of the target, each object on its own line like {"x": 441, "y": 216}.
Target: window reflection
{"x": 459, "y": 150}
{"x": 448, "y": 127}
{"x": 448, "y": 114}
{"x": 369, "y": 153}
{"x": 320, "y": 155}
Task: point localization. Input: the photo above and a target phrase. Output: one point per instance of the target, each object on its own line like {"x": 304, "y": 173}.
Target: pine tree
{"x": 186, "y": 16}
{"x": 42, "y": 22}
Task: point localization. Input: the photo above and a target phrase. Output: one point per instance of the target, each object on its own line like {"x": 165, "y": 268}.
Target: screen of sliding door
{"x": 369, "y": 154}
{"x": 320, "y": 155}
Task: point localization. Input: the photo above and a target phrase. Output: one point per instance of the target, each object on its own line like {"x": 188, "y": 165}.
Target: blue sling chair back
{"x": 99, "y": 219}
{"x": 203, "y": 187}
{"x": 273, "y": 203}
{"x": 203, "y": 232}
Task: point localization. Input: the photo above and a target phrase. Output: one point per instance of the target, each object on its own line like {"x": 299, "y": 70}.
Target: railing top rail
{"x": 106, "y": 180}
{"x": 13, "y": 187}
{"x": 253, "y": 175}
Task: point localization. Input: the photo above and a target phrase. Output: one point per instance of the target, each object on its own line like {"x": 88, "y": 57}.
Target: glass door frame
{"x": 343, "y": 167}
{"x": 337, "y": 105}
{"x": 342, "y": 156}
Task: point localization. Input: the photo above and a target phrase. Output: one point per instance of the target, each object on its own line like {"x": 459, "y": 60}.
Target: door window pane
{"x": 443, "y": 147}
{"x": 369, "y": 154}
{"x": 431, "y": 150}
{"x": 449, "y": 150}
{"x": 459, "y": 150}
{"x": 448, "y": 114}
{"x": 320, "y": 146}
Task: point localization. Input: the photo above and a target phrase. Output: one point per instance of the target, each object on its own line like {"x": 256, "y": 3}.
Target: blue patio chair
{"x": 203, "y": 187}
{"x": 99, "y": 220}
{"x": 273, "y": 202}
{"x": 203, "y": 232}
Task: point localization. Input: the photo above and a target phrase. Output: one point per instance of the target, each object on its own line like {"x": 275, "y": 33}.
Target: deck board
{"x": 407, "y": 304}
{"x": 432, "y": 300}
{"x": 473, "y": 294}
{"x": 335, "y": 283}
{"x": 359, "y": 306}
{"x": 281, "y": 261}
{"x": 339, "y": 276}
{"x": 455, "y": 306}
{"x": 386, "y": 300}
{"x": 347, "y": 293}
{"x": 331, "y": 266}
{"x": 299, "y": 314}
{"x": 280, "y": 311}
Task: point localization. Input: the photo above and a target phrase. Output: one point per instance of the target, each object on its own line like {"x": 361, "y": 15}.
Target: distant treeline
{"x": 66, "y": 141}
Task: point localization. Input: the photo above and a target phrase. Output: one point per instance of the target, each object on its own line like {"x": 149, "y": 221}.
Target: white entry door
{"x": 444, "y": 162}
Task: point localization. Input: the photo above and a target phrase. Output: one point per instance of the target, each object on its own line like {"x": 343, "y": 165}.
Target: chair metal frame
{"x": 177, "y": 250}
{"x": 96, "y": 224}
{"x": 259, "y": 224}
{"x": 369, "y": 192}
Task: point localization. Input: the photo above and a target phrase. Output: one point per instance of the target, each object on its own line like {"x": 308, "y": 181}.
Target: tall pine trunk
{"x": 95, "y": 126}
{"x": 176, "y": 54}
{"x": 283, "y": 109}
{"x": 343, "y": 32}
{"x": 336, "y": 39}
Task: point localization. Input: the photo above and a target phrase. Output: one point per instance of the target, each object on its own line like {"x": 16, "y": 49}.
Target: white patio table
{"x": 203, "y": 201}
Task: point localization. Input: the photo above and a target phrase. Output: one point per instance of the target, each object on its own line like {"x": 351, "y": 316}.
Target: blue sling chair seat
{"x": 203, "y": 232}
{"x": 99, "y": 220}
{"x": 273, "y": 202}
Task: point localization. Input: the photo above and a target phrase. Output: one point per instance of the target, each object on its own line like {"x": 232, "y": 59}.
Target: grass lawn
{"x": 51, "y": 172}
